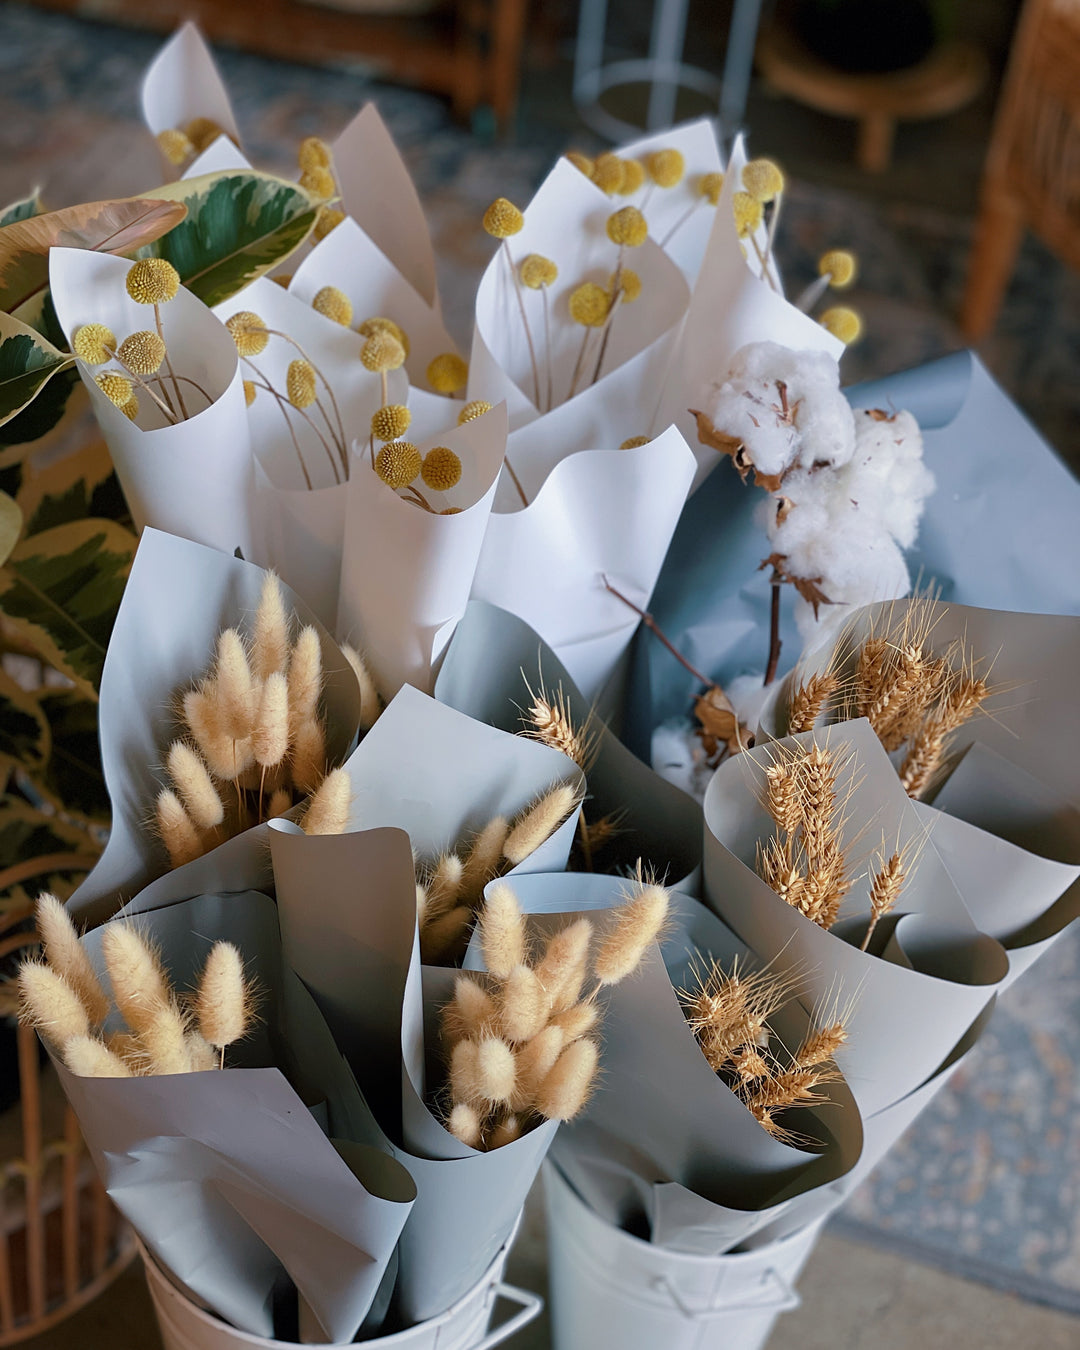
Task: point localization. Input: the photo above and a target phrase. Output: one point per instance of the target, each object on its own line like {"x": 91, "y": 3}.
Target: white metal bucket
{"x": 185, "y": 1326}
{"x": 608, "y": 1288}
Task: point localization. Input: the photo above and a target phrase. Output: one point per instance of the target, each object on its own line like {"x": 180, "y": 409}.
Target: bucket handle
{"x": 783, "y": 1297}
{"x": 529, "y": 1307}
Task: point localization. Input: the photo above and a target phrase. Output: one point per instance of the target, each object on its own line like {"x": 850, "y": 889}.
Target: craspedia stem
{"x": 524, "y": 321}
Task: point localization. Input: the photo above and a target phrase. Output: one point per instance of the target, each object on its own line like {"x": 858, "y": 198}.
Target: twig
{"x": 168, "y": 359}
{"x": 775, "y": 581}
{"x": 524, "y": 320}
{"x": 653, "y": 627}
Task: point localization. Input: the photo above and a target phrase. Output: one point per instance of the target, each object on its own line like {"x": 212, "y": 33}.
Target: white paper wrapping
{"x": 193, "y": 478}
{"x": 182, "y": 83}
{"x": 597, "y": 513}
{"x": 406, "y": 573}
{"x": 492, "y": 663}
{"x": 179, "y": 597}
{"x": 934, "y": 974}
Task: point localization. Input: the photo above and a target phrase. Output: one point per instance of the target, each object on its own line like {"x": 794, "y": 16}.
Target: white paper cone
{"x": 406, "y": 572}
{"x": 178, "y": 599}
{"x": 182, "y": 83}
{"x": 220, "y": 157}
{"x": 600, "y": 512}
{"x": 910, "y": 1005}
{"x": 193, "y": 478}
{"x": 565, "y": 222}
{"x": 352, "y": 262}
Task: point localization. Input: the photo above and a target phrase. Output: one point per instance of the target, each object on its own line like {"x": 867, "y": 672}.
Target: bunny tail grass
{"x": 67, "y": 956}
{"x": 328, "y": 810}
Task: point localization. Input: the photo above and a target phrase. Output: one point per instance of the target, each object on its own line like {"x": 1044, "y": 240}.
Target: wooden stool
{"x": 946, "y": 80}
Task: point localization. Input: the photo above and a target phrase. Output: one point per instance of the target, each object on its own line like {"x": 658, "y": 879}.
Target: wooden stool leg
{"x": 504, "y": 61}
{"x": 875, "y": 142}
{"x": 998, "y": 232}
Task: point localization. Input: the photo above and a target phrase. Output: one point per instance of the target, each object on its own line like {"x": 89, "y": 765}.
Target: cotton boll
{"x": 889, "y": 476}
{"x": 678, "y": 755}
{"x": 747, "y": 694}
{"x": 747, "y": 404}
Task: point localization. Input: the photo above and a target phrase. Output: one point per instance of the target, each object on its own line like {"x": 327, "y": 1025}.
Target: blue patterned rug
{"x": 987, "y": 1181}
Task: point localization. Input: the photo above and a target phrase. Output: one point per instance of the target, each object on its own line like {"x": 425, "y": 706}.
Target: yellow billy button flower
{"x": 314, "y": 153}
{"x": 441, "y": 469}
{"x": 378, "y": 324}
{"x": 630, "y": 284}
{"x": 329, "y": 218}
{"x": 537, "y": 271}
{"x": 633, "y": 177}
{"x": 710, "y": 185}
{"x": 390, "y": 422}
{"x": 633, "y": 442}
{"x": 627, "y": 226}
{"x": 839, "y": 266}
{"x": 609, "y": 173}
{"x": 666, "y": 167}
{"x": 142, "y": 352}
{"x": 175, "y": 145}
{"x": 152, "y": 281}
{"x": 589, "y": 305}
{"x": 300, "y": 383}
{"x": 94, "y": 343}
{"x": 398, "y": 463}
{"x": 202, "y": 132}
{"x": 131, "y": 408}
{"x": 382, "y": 351}
{"x": 581, "y": 162}
{"x": 447, "y": 373}
{"x": 842, "y": 323}
{"x": 333, "y": 304}
{"x": 116, "y": 388}
{"x": 319, "y": 182}
{"x": 471, "y": 411}
{"x": 249, "y": 392}
{"x": 748, "y": 213}
{"x": 248, "y": 331}
{"x": 763, "y": 179}
{"x": 502, "y": 219}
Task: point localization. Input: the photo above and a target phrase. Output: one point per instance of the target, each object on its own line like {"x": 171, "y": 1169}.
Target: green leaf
{"x": 72, "y": 778}
{"x": 60, "y": 591}
{"x": 24, "y": 733}
{"x": 29, "y": 206}
{"x": 240, "y": 224}
{"x": 39, "y": 852}
{"x": 11, "y": 520}
{"x": 71, "y": 488}
{"x": 106, "y": 227}
{"x": 27, "y": 361}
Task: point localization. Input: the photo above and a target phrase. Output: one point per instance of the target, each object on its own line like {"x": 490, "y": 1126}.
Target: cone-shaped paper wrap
{"x": 928, "y": 973}
{"x": 492, "y": 664}
{"x": 179, "y": 597}
{"x": 664, "y": 1140}
{"x": 1005, "y": 820}
{"x": 599, "y": 513}
{"x": 299, "y": 531}
{"x": 193, "y": 478}
{"x": 407, "y": 572}
{"x": 730, "y": 307}
{"x": 226, "y": 1175}
{"x": 566, "y": 222}
{"x": 183, "y": 83}
{"x": 354, "y": 943}
{"x": 350, "y": 261}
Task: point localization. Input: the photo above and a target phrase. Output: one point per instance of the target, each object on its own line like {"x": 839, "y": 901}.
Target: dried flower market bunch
{"x": 166, "y": 1034}
{"x": 307, "y": 394}
{"x": 450, "y": 890}
{"x": 521, "y": 1041}
{"x": 729, "y": 1014}
{"x": 142, "y": 355}
{"x": 254, "y": 738}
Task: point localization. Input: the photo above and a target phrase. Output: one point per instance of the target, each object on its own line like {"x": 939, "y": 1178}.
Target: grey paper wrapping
{"x": 226, "y": 1175}
{"x": 348, "y": 914}
{"x": 662, "y": 1134}
{"x": 179, "y": 596}
{"x": 194, "y": 477}
{"x": 493, "y": 661}
{"x": 999, "y": 531}
{"x": 935, "y": 974}
{"x": 603, "y": 512}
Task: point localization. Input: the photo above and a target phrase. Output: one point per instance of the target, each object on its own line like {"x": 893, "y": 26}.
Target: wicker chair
{"x": 1032, "y": 175}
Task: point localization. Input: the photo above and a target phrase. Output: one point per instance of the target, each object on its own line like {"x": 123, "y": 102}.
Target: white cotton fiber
{"x": 679, "y": 756}
{"x": 748, "y": 404}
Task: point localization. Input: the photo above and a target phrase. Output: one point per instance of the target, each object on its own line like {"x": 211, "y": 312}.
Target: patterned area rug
{"x": 987, "y": 1181}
